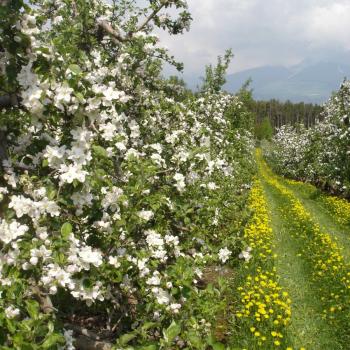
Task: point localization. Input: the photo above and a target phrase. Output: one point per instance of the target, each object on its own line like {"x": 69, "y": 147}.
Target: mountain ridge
{"x": 309, "y": 81}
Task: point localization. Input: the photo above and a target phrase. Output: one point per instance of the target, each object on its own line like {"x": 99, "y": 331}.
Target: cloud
{"x": 330, "y": 24}
{"x": 260, "y": 32}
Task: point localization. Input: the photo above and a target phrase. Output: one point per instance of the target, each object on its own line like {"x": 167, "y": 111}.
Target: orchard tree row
{"x": 119, "y": 190}
{"x": 319, "y": 154}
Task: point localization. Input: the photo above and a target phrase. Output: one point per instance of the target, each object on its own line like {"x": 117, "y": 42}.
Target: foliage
{"x": 214, "y": 78}
{"x": 118, "y": 187}
{"x": 245, "y": 119}
{"x": 263, "y": 130}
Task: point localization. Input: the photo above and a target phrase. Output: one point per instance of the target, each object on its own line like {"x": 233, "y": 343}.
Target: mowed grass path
{"x": 308, "y": 329}
{"x": 309, "y": 196}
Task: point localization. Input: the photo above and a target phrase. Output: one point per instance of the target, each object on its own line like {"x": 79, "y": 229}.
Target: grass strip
{"x": 263, "y": 311}
{"x": 338, "y": 207}
{"x": 330, "y": 273}
{"x": 308, "y": 328}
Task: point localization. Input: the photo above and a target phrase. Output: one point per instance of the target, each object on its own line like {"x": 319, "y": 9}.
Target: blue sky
{"x": 262, "y": 32}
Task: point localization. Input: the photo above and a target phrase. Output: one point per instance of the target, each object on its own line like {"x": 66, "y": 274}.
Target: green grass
{"x": 307, "y": 328}
{"x": 309, "y": 197}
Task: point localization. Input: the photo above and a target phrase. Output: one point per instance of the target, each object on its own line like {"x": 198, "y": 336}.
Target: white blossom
{"x": 154, "y": 239}
{"x": 90, "y": 256}
{"x": 162, "y": 296}
{"x": 224, "y": 254}
{"x": 69, "y": 173}
{"x": 180, "y": 182}
{"x": 114, "y": 261}
{"x": 11, "y": 312}
{"x": 11, "y": 231}
{"x": 153, "y": 281}
{"x": 145, "y": 214}
{"x": 245, "y": 254}
{"x": 175, "y": 307}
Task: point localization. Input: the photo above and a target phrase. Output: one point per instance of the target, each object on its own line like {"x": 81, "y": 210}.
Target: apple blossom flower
{"x": 224, "y": 254}
{"x": 12, "y": 312}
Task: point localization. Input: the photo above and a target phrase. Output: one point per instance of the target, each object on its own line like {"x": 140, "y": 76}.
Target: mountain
{"x": 309, "y": 81}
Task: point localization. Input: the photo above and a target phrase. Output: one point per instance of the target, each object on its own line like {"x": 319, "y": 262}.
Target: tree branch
{"x": 88, "y": 340}
{"x": 44, "y": 300}
{"x": 182, "y": 228}
{"x": 85, "y": 343}
{"x": 149, "y": 18}
{"x": 88, "y": 333}
{"x": 117, "y": 37}
{"x": 114, "y": 34}
{"x": 3, "y": 146}
{"x": 9, "y": 100}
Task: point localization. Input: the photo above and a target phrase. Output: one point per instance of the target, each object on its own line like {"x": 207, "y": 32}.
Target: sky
{"x": 261, "y": 32}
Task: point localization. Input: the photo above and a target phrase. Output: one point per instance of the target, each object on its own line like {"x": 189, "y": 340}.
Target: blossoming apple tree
{"x": 117, "y": 189}
{"x": 319, "y": 154}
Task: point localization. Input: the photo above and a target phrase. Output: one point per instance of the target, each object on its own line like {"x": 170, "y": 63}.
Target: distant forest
{"x": 281, "y": 113}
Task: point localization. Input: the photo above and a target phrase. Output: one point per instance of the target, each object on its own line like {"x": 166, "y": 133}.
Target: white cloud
{"x": 329, "y": 25}
{"x": 261, "y": 32}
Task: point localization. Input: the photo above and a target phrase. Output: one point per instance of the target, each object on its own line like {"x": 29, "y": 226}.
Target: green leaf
{"x": 76, "y": 183}
{"x": 45, "y": 163}
{"x": 66, "y": 229}
{"x": 53, "y": 339}
{"x": 117, "y": 276}
{"x": 126, "y": 338}
{"x": 74, "y": 68}
{"x": 195, "y": 340}
{"x": 186, "y": 291}
{"x": 11, "y": 326}
{"x": 218, "y": 346}
{"x": 33, "y": 308}
{"x": 100, "y": 151}
{"x": 50, "y": 326}
{"x": 79, "y": 96}
{"x": 87, "y": 283}
{"x": 147, "y": 347}
{"x": 172, "y": 332}
{"x": 148, "y": 325}
{"x": 51, "y": 193}
{"x": 44, "y": 50}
